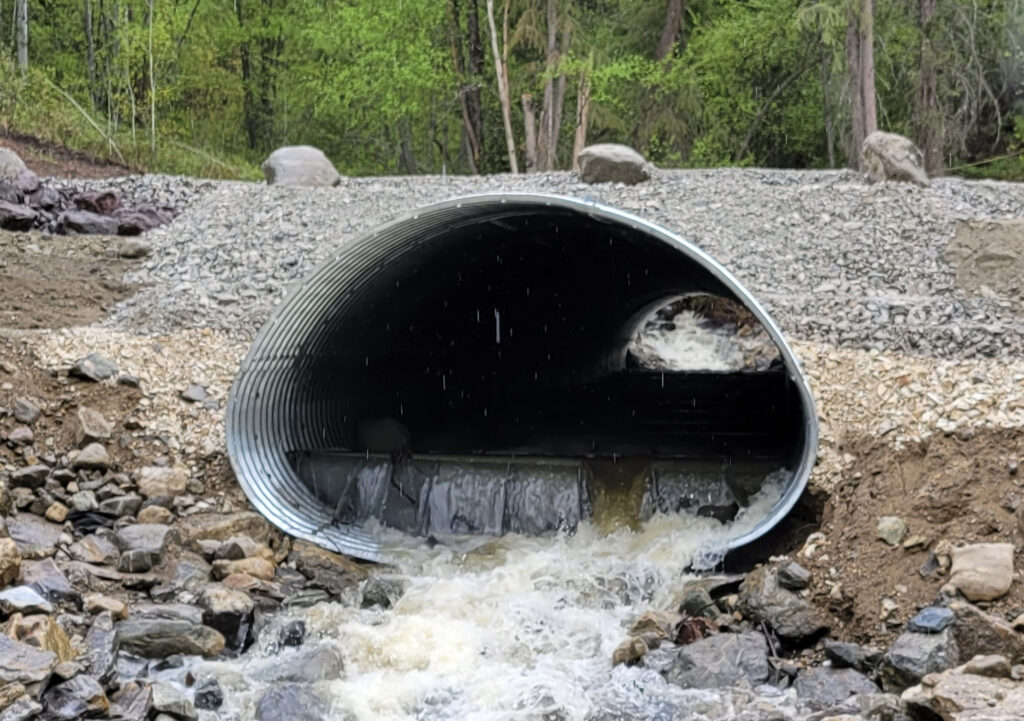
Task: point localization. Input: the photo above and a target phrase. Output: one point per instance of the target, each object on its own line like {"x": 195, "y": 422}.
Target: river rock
{"x": 94, "y": 549}
{"x": 93, "y": 457}
{"x": 763, "y": 600}
{"x": 330, "y": 571}
{"x": 722, "y": 660}
{"x": 222, "y": 526}
{"x": 290, "y": 702}
{"x": 34, "y": 536}
{"x": 101, "y": 648}
{"x": 80, "y": 698}
{"x": 161, "y": 630}
{"x": 132, "y": 701}
{"x": 94, "y": 367}
{"x": 383, "y": 592}
{"x": 822, "y": 687}
{"x": 888, "y": 156}
{"x": 25, "y": 411}
{"x": 931, "y": 619}
{"x": 133, "y": 221}
{"x": 21, "y": 436}
{"x": 23, "y": 599}
{"x": 135, "y": 561}
{"x": 958, "y": 695}
{"x": 993, "y": 665}
{"x": 10, "y": 561}
{"x": 82, "y": 221}
{"x": 50, "y": 581}
{"x": 308, "y": 664}
{"x": 101, "y": 202}
{"x": 33, "y": 476}
{"x": 612, "y": 163}
{"x": 42, "y": 632}
{"x": 11, "y": 165}
{"x": 208, "y": 694}
{"x": 23, "y": 663}
{"x": 794, "y": 577}
{"x": 300, "y": 165}
{"x": 167, "y": 699}
{"x": 256, "y": 567}
{"x": 25, "y": 708}
{"x": 155, "y": 514}
{"x": 16, "y": 217}
{"x": 230, "y": 612}
{"x": 159, "y": 481}
{"x": 891, "y": 529}
{"x": 97, "y": 603}
{"x": 982, "y": 571}
{"x": 151, "y": 538}
{"x": 121, "y": 506}
{"x": 912, "y": 656}
{"x": 90, "y": 426}
{"x": 56, "y": 512}
{"x": 978, "y": 632}
{"x": 239, "y": 547}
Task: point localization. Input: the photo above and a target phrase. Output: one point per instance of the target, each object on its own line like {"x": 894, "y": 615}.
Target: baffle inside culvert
{"x": 468, "y": 369}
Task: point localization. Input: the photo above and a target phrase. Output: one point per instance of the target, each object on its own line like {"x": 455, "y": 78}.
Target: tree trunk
{"x": 475, "y": 73}
{"x": 582, "y": 116}
{"x": 830, "y": 132}
{"x": 503, "y": 91}
{"x": 554, "y": 91}
{"x": 530, "y": 127}
{"x": 928, "y": 119}
{"x": 152, "y": 87}
{"x": 670, "y": 30}
{"x": 867, "y": 58}
{"x": 470, "y": 138}
{"x": 856, "y": 92}
{"x": 21, "y": 33}
{"x": 90, "y": 52}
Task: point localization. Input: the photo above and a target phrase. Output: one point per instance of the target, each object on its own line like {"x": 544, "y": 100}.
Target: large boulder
{"x": 299, "y": 165}
{"x": 763, "y": 600}
{"x": 11, "y": 166}
{"x": 961, "y": 694}
{"x": 913, "y": 656}
{"x": 722, "y": 660}
{"x": 888, "y": 156}
{"x": 612, "y": 163}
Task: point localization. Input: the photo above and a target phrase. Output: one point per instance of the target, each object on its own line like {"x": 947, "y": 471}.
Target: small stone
{"x": 129, "y": 381}
{"x": 719, "y": 661}
{"x": 50, "y": 581}
{"x": 84, "y": 501}
{"x": 21, "y": 436}
{"x": 931, "y": 619}
{"x": 794, "y": 576}
{"x": 34, "y": 536}
{"x": 94, "y": 367}
{"x": 168, "y": 700}
{"x": 155, "y": 514}
{"x": 24, "y": 664}
{"x": 256, "y": 567}
{"x": 121, "y": 506}
{"x": 292, "y": 633}
{"x": 132, "y": 249}
{"x": 93, "y": 457}
{"x": 30, "y": 477}
{"x": 821, "y": 688}
{"x": 230, "y": 612}
{"x": 162, "y": 482}
{"x": 25, "y": 411}
{"x": 208, "y": 695}
{"x": 891, "y": 529}
{"x": 24, "y": 600}
{"x": 57, "y": 512}
{"x": 162, "y": 630}
{"x": 137, "y": 561}
{"x": 42, "y": 632}
{"x": 629, "y": 652}
{"x": 762, "y": 599}
{"x": 991, "y": 665}
{"x": 94, "y": 549}
{"x": 913, "y": 656}
{"x": 194, "y": 394}
{"x": 10, "y": 561}
{"x": 79, "y": 698}
{"x": 132, "y": 701}
{"x": 98, "y": 603}
{"x": 90, "y": 426}
{"x": 151, "y": 538}
{"x": 982, "y": 571}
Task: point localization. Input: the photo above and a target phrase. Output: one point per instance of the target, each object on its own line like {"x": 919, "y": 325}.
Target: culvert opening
{"x": 492, "y": 365}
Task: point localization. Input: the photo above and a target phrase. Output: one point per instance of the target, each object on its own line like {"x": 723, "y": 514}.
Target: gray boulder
{"x": 299, "y": 165}
{"x": 913, "y": 656}
{"x": 290, "y": 702}
{"x": 823, "y": 687}
{"x": 612, "y": 163}
{"x": 888, "y": 156}
{"x": 24, "y": 664}
{"x": 83, "y": 221}
{"x": 11, "y": 165}
{"x": 719, "y": 661}
{"x": 763, "y": 600}
{"x": 161, "y": 630}
{"x": 16, "y": 217}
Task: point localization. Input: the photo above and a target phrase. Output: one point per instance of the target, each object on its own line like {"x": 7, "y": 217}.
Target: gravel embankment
{"x": 832, "y": 257}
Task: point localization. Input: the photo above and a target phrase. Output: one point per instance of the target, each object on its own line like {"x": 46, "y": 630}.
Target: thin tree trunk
{"x": 670, "y": 30}
{"x": 21, "y": 28}
{"x": 503, "y": 92}
{"x": 475, "y": 73}
{"x": 530, "y": 127}
{"x": 559, "y": 102}
{"x": 545, "y": 151}
{"x": 830, "y": 131}
{"x": 90, "y": 52}
{"x": 929, "y": 122}
{"x": 471, "y": 139}
{"x": 152, "y": 88}
{"x": 856, "y": 92}
{"x": 582, "y": 115}
{"x": 867, "y": 57}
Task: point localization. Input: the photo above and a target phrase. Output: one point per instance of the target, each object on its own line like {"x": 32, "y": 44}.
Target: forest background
{"x": 210, "y": 87}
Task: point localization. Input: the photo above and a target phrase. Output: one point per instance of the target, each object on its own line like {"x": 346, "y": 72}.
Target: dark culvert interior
{"x": 467, "y": 370}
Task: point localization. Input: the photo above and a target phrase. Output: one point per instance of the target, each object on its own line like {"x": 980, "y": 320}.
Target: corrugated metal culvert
{"x": 465, "y": 369}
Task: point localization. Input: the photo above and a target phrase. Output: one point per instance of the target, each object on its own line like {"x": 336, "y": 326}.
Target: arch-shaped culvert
{"x": 465, "y": 369}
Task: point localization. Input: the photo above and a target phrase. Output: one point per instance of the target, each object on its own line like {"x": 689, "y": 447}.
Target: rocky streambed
{"x": 138, "y": 583}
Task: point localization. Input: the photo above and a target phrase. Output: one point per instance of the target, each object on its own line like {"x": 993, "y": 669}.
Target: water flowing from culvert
{"x": 516, "y": 626}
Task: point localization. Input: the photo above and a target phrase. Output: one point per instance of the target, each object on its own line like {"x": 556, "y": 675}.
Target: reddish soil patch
{"x": 47, "y": 159}
{"x": 952, "y": 489}
{"x": 58, "y": 281}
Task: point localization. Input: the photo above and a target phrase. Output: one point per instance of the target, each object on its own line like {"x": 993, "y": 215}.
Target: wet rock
{"x": 323, "y": 662}
{"x": 330, "y": 571}
{"x": 383, "y": 592}
{"x": 612, "y": 163}
{"x": 101, "y": 202}
{"x": 23, "y": 599}
{"x": 794, "y": 576}
{"x": 763, "y": 600}
{"x": 90, "y": 426}
{"x": 980, "y": 633}
{"x": 256, "y": 567}
{"x": 299, "y": 165}
{"x": 290, "y": 702}
{"x": 94, "y": 549}
{"x": 30, "y": 477}
{"x": 42, "y": 632}
{"x": 982, "y": 571}
{"x": 16, "y": 217}
{"x": 159, "y": 481}
{"x": 23, "y": 663}
{"x": 93, "y": 457}
{"x": 194, "y": 394}
{"x": 292, "y": 634}
{"x": 696, "y": 601}
{"x": 25, "y": 411}
{"x": 912, "y": 656}
{"x": 10, "y": 561}
{"x": 34, "y": 536}
{"x": 132, "y": 701}
{"x": 823, "y": 687}
{"x": 46, "y": 578}
{"x": 135, "y": 561}
{"x": 721, "y": 660}
{"x": 167, "y": 699}
{"x": 82, "y": 221}
{"x": 94, "y": 367}
{"x": 230, "y": 612}
{"x": 80, "y": 698}
{"x": 101, "y": 648}
{"x": 891, "y": 529}
{"x": 208, "y": 695}
{"x": 151, "y": 538}
{"x": 957, "y": 695}
{"x": 931, "y": 619}
{"x": 629, "y": 652}
{"x": 24, "y": 708}
{"x": 161, "y": 630}
{"x": 888, "y": 156}
{"x": 11, "y": 165}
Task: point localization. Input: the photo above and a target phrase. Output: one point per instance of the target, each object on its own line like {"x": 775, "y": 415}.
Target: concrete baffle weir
{"x": 465, "y": 369}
